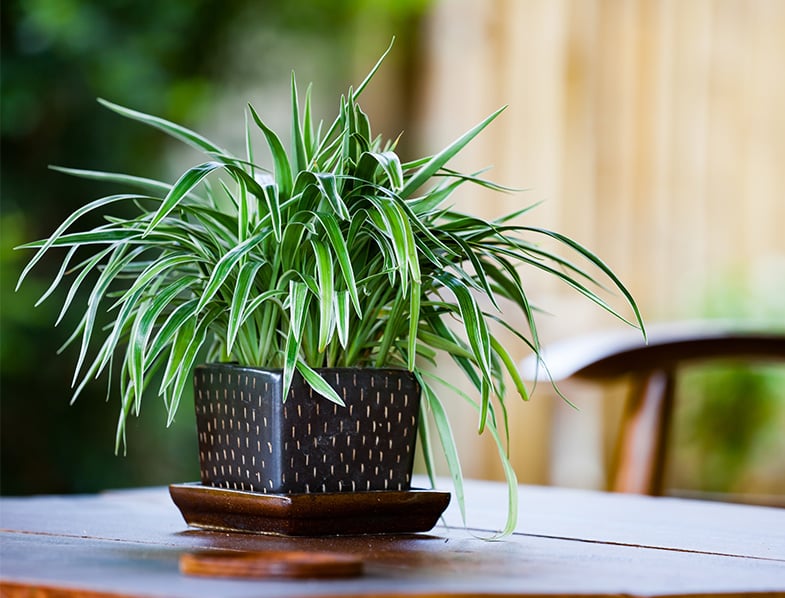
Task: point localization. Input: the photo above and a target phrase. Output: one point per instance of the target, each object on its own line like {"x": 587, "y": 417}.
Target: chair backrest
{"x": 639, "y": 462}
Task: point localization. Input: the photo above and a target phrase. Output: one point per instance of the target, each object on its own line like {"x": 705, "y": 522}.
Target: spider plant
{"x": 339, "y": 255}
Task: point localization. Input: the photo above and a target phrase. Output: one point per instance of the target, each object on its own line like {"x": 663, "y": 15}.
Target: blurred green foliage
{"x": 731, "y": 432}
{"x": 175, "y": 59}
{"x": 728, "y": 435}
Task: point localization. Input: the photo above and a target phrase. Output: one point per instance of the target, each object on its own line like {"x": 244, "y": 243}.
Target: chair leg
{"x": 640, "y": 454}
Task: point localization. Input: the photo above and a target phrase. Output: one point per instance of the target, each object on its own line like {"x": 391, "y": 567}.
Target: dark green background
{"x": 174, "y": 59}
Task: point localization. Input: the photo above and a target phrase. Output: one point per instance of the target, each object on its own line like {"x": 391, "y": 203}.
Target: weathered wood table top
{"x": 128, "y": 543}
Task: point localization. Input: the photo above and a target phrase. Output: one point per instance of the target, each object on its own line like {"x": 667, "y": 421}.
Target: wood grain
{"x": 568, "y": 542}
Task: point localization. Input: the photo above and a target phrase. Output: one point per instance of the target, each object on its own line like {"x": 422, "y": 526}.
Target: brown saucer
{"x": 309, "y": 514}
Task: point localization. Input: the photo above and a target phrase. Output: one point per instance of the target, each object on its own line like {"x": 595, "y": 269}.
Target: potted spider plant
{"x": 317, "y": 292}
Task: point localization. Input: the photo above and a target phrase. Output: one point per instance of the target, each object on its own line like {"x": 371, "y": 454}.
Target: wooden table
{"x": 568, "y": 542}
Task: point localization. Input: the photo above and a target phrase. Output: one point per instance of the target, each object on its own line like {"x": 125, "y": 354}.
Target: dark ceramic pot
{"x": 250, "y": 439}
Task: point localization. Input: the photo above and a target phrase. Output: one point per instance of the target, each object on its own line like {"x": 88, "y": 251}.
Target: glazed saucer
{"x": 309, "y": 514}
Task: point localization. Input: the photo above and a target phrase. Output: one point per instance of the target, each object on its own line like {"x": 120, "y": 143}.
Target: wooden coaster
{"x": 270, "y": 564}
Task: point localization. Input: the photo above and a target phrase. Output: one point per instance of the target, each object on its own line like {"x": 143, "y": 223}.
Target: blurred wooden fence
{"x": 654, "y": 131}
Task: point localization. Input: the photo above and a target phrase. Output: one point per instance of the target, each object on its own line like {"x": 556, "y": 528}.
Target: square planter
{"x": 251, "y": 439}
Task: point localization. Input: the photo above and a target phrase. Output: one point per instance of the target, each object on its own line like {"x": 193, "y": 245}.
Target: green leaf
{"x": 184, "y": 185}
{"x": 85, "y": 270}
{"x": 450, "y": 450}
{"x": 437, "y": 161}
{"x": 243, "y": 212}
{"x": 510, "y": 283}
{"x": 308, "y": 135}
{"x": 324, "y": 267}
{"x": 249, "y": 155}
{"x": 177, "y": 131}
{"x": 299, "y": 160}
{"x": 341, "y": 253}
{"x": 440, "y": 343}
{"x": 392, "y": 330}
{"x": 426, "y": 445}
{"x": 223, "y": 268}
{"x": 414, "y": 321}
{"x": 157, "y": 269}
{"x": 298, "y": 304}
{"x": 479, "y": 338}
{"x": 125, "y": 408}
{"x": 283, "y": 170}
{"x": 319, "y": 384}
{"x": 179, "y": 318}
{"x": 388, "y": 162}
{"x": 362, "y": 132}
{"x": 147, "y": 318}
{"x": 58, "y": 277}
{"x": 184, "y": 336}
{"x": 342, "y": 305}
{"x": 594, "y": 259}
{"x": 512, "y": 487}
{"x": 97, "y": 236}
{"x": 271, "y": 198}
{"x": 58, "y": 239}
{"x": 258, "y": 301}
{"x": 145, "y": 184}
{"x": 473, "y": 322}
{"x": 188, "y": 360}
{"x": 116, "y": 263}
{"x": 397, "y": 227}
{"x": 327, "y": 186}
{"x": 511, "y": 366}
{"x": 509, "y": 472}
{"x": 375, "y": 68}
{"x": 470, "y": 254}
{"x": 242, "y": 290}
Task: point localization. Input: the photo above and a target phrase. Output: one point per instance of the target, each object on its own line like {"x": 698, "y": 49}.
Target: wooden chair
{"x": 652, "y": 368}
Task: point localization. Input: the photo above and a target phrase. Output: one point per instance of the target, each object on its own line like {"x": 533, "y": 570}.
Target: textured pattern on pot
{"x": 250, "y": 439}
